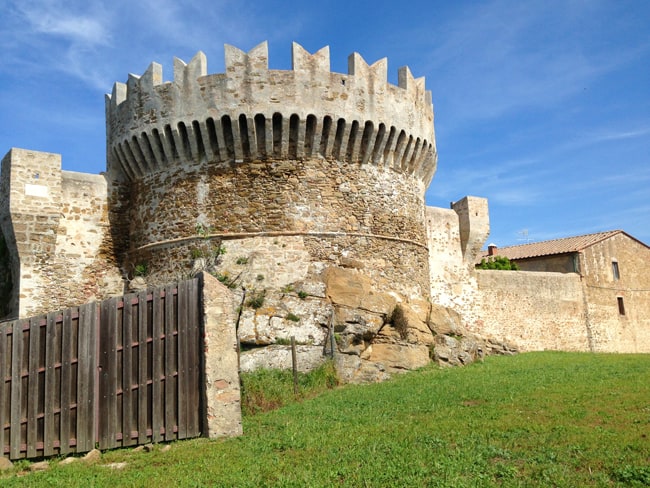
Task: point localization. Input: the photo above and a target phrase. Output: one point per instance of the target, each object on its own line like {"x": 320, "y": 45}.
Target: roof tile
{"x": 555, "y": 246}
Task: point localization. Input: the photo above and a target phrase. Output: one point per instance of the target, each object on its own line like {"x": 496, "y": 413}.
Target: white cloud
{"x": 86, "y": 23}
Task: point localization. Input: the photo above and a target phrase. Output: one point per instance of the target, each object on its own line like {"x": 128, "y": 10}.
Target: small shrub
{"x": 302, "y": 294}
{"x": 226, "y": 280}
{"x": 260, "y": 277}
{"x": 202, "y": 230}
{"x": 242, "y": 260}
{"x": 282, "y": 341}
{"x": 140, "y": 269}
{"x": 256, "y": 300}
{"x": 196, "y": 253}
{"x": 498, "y": 262}
{"x": 399, "y": 321}
{"x": 292, "y": 317}
{"x": 287, "y": 288}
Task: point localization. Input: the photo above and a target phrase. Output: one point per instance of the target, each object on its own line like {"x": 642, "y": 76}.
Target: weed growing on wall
{"x": 226, "y": 279}
{"x": 256, "y": 299}
{"x": 287, "y": 288}
{"x": 140, "y": 269}
{"x": 399, "y": 321}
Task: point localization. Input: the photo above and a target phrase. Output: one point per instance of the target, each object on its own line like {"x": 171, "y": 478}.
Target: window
{"x": 615, "y": 271}
{"x": 621, "y": 306}
{"x": 576, "y": 263}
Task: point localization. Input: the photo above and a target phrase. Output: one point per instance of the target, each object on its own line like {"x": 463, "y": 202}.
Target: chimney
{"x": 492, "y": 249}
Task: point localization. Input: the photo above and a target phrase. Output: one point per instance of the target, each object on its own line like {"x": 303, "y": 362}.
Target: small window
{"x": 615, "y": 271}
{"x": 576, "y": 263}
{"x": 621, "y": 306}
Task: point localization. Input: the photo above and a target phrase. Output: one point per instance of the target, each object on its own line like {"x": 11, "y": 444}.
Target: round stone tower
{"x": 289, "y": 171}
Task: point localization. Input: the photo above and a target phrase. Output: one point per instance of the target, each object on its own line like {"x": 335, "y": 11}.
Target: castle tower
{"x": 474, "y": 224}
{"x": 314, "y": 166}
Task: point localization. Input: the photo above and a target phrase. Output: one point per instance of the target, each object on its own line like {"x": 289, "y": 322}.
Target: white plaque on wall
{"x": 36, "y": 190}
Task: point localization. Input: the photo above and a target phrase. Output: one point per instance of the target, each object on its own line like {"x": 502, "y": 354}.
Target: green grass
{"x": 537, "y": 419}
{"x": 269, "y": 389}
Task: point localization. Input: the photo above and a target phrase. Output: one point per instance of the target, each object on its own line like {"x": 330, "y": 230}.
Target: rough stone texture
{"x": 221, "y": 365}
{"x": 533, "y": 310}
{"x": 92, "y": 456}
{"x": 56, "y": 229}
{"x": 281, "y": 217}
{"x": 353, "y": 369}
{"x": 308, "y": 358}
{"x": 400, "y": 356}
{"x": 353, "y": 289}
{"x": 445, "y": 321}
{"x": 39, "y": 466}
{"x": 281, "y": 316}
{"x": 5, "y": 464}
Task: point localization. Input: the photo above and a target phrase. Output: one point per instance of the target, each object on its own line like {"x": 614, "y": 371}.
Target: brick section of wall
{"x": 33, "y": 200}
{"x": 564, "y": 263}
{"x": 474, "y": 225}
{"x": 222, "y": 390}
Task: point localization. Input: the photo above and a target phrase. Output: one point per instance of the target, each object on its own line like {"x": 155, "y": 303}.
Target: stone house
{"x": 602, "y": 298}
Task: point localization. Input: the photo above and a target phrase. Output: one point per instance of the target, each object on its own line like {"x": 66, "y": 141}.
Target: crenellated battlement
{"x": 253, "y": 113}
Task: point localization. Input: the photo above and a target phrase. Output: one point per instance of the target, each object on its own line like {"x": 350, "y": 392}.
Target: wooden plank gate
{"x": 122, "y": 372}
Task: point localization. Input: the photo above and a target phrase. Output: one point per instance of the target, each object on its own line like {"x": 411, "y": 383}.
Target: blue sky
{"x": 543, "y": 107}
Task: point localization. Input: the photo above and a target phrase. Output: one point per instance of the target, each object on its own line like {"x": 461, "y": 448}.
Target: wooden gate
{"x": 122, "y": 372}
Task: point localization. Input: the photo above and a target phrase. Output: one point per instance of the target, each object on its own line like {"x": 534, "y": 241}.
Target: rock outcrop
{"x": 375, "y": 331}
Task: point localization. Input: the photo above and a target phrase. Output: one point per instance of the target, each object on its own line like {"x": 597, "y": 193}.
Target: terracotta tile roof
{"x": 555, "y": 246}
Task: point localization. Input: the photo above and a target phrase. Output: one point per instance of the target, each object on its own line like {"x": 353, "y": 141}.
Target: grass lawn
{"x": 536, "y": 419}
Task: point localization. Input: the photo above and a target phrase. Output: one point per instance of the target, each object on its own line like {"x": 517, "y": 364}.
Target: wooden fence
{"x": 122, "y": 372}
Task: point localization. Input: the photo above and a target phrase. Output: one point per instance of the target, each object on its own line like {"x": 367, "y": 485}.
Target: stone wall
{"x": 455, "y": 237}
{"x": 331, "y": 210}
{"x": 57, "y": 233}
{"x": 532, "y": 310}
{"x": 563, "y": 263}
{"x": 221, "y": 368}
{"x": 611, "y": 330}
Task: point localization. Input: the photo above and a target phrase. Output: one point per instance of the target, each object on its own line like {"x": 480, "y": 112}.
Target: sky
{"x": 541, "y": 106}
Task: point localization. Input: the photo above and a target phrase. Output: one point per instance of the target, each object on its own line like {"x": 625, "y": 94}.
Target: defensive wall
{"x": 455, "y": 237}
{"x": 532, "y": 310}
{"x": 56, "y": 233}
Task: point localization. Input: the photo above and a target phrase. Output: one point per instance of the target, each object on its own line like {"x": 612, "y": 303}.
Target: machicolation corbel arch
{"x": 253, "y": 113}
